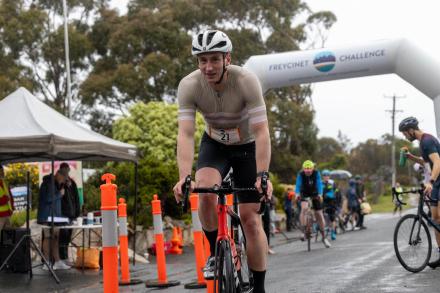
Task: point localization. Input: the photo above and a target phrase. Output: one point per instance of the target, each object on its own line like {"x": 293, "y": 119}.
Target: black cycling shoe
{"x": 434, "y": 264}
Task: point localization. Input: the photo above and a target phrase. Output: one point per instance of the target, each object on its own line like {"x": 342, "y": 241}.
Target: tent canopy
{"x": 32, "y": 131}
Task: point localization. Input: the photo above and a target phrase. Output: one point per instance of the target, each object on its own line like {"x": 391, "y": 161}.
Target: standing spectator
{"x": 289, "y": 195}
{"x": 70, "y": 208}
{"x": 352, "y": 202}
{"x": 361, "y": 195}
{"x": 45, "y": 203}
{"x": 397, "y": 204}
{"x": 6, "y": 202}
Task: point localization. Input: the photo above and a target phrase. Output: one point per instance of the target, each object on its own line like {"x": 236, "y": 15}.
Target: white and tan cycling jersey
{"x": 228, "y": 115}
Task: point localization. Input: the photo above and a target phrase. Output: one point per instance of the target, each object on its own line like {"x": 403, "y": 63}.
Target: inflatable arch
{"x": 398, "y": 56}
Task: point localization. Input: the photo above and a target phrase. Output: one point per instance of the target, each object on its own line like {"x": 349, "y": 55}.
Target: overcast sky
{"x": 357, "y": 106}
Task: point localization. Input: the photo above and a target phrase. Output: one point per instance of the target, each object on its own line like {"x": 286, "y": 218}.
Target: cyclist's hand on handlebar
{"x": 268, "y": 195}
{"x": 428, "y": 189}
{"x": 178, "y": 194}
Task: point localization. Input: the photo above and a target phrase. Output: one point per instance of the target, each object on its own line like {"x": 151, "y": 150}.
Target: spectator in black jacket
{"x": 70, "y": 208}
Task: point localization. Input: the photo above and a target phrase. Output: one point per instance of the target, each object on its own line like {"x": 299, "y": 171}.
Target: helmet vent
{"x": 219, "y": 45}
{"x": 210, "y": 36}
{"x": 200, "y": 39}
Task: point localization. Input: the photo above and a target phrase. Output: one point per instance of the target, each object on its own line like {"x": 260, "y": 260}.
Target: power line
{"x": 393, "y": 112}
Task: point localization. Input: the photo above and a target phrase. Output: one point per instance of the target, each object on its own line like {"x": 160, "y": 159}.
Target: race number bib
{"x": 226, "y": 136}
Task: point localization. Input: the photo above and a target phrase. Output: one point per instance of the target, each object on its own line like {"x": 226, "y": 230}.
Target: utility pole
{"x": 66, "y": 49}
{"x": 393, "y": 142}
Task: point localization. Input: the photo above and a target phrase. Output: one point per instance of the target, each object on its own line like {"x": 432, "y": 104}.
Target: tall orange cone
{"x": 161, "y": 281}
{"x": 198, "y": 244}
{"x": 123, "y": 246}
{"x": 109, "y": 234}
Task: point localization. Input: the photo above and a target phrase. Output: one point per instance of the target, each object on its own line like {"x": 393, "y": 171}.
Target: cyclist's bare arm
{"x": 415, "y": 158}
{"x": 435, "y": 172}
{"x": 435, "y": 158}
{"x": 262, "y": 151}
{"x": 185, "y": 153}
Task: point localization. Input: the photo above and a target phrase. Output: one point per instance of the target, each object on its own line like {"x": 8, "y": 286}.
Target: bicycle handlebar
{"x": 223, "y": 189}
{"x": 412, "y": 190}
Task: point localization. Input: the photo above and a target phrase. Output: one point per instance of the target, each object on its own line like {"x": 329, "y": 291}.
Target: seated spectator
{"x": 45, "y": 204}
{"x": 6, "y": 202}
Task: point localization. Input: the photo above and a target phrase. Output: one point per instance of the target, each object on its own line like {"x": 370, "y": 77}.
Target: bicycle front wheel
{"x": 244, "y": 274}
{"x": 224, "y": 269}
{"x": 412, "y": 243}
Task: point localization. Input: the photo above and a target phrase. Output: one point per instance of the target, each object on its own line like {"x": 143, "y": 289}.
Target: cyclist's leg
{"x": 256, "y": 242}
{"x": 243, "y": 162}
{"x": 304, "y": 209}
{"x": 317, "y": 207}
{"x": 212, "y": 165}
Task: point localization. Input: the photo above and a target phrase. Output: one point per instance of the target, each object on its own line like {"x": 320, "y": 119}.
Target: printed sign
{"x": 19, "y": 196}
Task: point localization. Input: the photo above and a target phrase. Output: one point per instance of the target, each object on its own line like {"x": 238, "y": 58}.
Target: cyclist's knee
{"x": 251, "y": 225}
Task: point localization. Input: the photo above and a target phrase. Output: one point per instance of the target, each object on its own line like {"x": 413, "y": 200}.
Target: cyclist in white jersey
{"x": 236, "y": 135}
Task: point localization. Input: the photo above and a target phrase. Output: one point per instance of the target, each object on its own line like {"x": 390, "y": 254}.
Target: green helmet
{"x": 308, "y": 164}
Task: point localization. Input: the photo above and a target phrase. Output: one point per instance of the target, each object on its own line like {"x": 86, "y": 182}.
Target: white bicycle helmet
{"x": 211, "y": 41}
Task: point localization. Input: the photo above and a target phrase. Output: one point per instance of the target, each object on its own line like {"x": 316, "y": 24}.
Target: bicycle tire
{"x": 308, "y": 232}
{"x": 243, "y": 273}
{"x": 405, "y": 245}
{"x": 224, "y": 269}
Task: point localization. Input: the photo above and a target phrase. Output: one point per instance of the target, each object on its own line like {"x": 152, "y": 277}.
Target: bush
{"x": 18, "y": 218}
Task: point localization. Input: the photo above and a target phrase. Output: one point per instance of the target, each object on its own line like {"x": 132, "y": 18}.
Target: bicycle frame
{"x": 222, "y": 211}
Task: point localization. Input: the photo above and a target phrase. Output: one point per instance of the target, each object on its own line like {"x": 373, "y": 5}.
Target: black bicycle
{"x": 412, "y": 239}
{"x": 231, "y": 272}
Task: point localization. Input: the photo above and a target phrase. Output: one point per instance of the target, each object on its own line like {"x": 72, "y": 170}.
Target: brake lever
{"x": 264, "y": 179}
{"x": 185, "y": 190}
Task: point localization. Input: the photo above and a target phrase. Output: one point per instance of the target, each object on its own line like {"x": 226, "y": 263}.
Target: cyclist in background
{"x": 397, "y": 201}
{"x": 430, "y": 149}
{"x": 329, "y": 195}
{"x": 309, "y": 185}
{"x": 361, "y": 195}
{"x": 236, "y": 135}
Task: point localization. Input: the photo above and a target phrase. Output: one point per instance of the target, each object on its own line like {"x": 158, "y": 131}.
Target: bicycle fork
{"x": 417, "y": 239}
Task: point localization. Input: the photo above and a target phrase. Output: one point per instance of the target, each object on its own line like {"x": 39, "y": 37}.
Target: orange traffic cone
{"x": 175, "y": 249}
{"x": 162, "y": 281}
{"x": 180, "y": 234}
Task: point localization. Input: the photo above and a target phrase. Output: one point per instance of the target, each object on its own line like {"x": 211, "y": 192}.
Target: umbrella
{"x": 340, "y": 174}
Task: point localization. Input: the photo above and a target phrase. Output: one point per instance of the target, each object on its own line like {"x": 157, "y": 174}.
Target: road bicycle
{"x": 310, "y": 220}
{"x": 412, "y": 239}
{"x": 231, "y": 273}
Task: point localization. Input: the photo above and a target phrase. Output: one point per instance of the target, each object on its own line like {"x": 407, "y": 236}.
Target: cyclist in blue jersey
{"x": 430, "y": 149}
{"x": 329, "y": 195}
{"x": 309, "y": 185}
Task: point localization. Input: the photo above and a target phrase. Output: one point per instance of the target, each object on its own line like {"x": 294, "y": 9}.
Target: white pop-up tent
{"x": 399, "y": 56}
{"x": 32, "y": 131}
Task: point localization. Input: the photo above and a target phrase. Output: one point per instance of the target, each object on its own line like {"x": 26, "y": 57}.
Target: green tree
{"x": 330, "y": 154}
{"x": 152, "y": 128}
{"x": 32, "y": 47}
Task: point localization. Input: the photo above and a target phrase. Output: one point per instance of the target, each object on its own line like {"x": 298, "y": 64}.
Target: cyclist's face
{"x": 409, "y": 134}
{"x": 326, "y": 178}
{"x": 211, "y": 65}
{"x": 308, "y": 171}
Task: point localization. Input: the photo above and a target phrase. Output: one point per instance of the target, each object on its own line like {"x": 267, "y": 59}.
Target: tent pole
{"x": 52, "y": 214}
{"x": 135, "y": 210}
